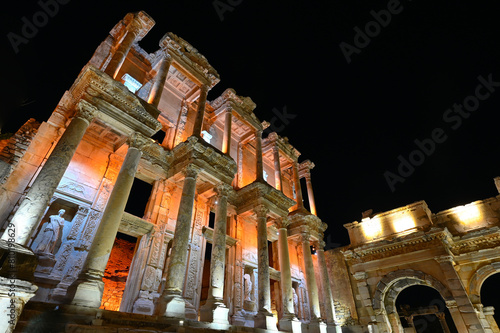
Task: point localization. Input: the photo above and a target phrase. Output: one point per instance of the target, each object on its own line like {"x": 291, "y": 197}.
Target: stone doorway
{"x": 422, "y": 309}
{"x": 117, "y": 269}
{"x": 205, "y": 277}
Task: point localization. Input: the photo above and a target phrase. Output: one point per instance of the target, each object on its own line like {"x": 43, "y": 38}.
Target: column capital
{"x": 191, "y": 171}
{"x": 222, "y": 189}
{"x": 261, "y": 211}
{"x": 282, "y": 222}
{"x": 440, "y": 315}
{"x": 85, "y": 111}
{"x": 204, "y": 88}
{"x": 442, "y": 259}
{"x": 320, "y": 245}
{"x": 304, "y": 235}
{"x": 138, "y": 140}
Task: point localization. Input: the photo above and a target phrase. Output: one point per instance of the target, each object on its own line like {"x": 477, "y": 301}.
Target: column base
{"x": 290, "y": 323}
{"x": 332, "y": 328}
{"x": 175, "y": 306}
{"x": 86, "y": 291}
{"x": 214, "y": 311}
{"x": 317, "y": 326}
{"x": 266, "y": 320}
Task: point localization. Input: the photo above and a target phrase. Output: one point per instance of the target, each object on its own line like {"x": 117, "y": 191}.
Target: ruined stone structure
{"x": 452, "y": 252}
{"x": 224, "y": 238}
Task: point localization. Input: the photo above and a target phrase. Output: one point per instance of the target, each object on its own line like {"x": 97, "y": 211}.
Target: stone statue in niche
{"x": 248, "y": 287}
{"x": 295, "y": 302}
{"x": 50, "y": 233}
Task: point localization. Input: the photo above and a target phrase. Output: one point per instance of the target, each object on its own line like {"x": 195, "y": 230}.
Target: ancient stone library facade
{"x": 222, "y": 239}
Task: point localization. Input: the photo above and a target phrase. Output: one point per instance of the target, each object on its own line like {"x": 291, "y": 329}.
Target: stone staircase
{"x": 42, "y": 318}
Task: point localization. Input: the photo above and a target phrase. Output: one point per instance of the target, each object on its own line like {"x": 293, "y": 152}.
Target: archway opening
{"x": 422, "y": 309}
{"x": 490, "y": 299}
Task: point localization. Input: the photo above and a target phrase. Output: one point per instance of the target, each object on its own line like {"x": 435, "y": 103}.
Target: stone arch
{"x": 394, "y": 282}
{"x": 478, "y": 279}
{"x": 389, "y": 287}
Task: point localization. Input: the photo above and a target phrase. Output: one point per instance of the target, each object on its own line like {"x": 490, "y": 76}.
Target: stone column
{"x": 277, "y": 168}
{"x": 33, "y": 207}
{"x": 159, "y": 82}
{"x": 214, "y": 309}
{"x": 87, "y": 290}
{"x": 200, "y": 113}
{"x": 121, "y": 52}
{"x": 264, "y": 318}
{"x": 226, "y": 144}
{"x": 310, "y": 193}
{"x": 173, "y": 303}
{"x": 442, "y": 321}
{"x": 288, "y": 322}
{"x": 258, "y": 155}
{"x": 325, "y": 282}
{"x": 312, "y": 287}
{"x": 298, "y": 190}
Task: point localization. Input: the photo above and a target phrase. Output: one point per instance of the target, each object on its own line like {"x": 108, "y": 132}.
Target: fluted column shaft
{"x": 298, "y": 189}
{"x": 277, "y": 168}
{"x": 258, "y": 155}
{"x": 161, "y": 77}
{"x": 200, "y": 115}
{"x": 286, "y": 275}
{"x": 100, "y": 250}
{"x": 310, "y": 194}
{"x": 312, "y": 287}
{"x": 32, "y": 208}
{"x": 325, "y": 282}
{"x": 121, "y": 52}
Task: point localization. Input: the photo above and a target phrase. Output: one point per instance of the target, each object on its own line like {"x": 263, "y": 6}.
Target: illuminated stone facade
{"x": 453, "y": 252}
{"x": 68, "y": 180}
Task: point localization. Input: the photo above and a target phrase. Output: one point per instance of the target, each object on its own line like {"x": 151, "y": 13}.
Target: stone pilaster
{"x": 325, "y": 283}
{"x": 87, "y": 290}
{"x": 33, "y": 207}
{"x": 173, "y": 303}
{"x": 200, "y": 114}
{"x": 214, "y": 309}
{"x": 288, "y": 322}
{"x": 264, "y": 318}
{"x": 121, "y": 52}
{"x": 312, "y": 287}
{"x": 159, "y": 82}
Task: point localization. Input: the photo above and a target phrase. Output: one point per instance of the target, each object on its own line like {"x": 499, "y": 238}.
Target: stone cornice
{"x": 388, "y": 248}
{"x": 258, "y": 193}
{"x": 208, "y": 158}
{"x": 283, "y": 144}
{"x": 478, "y": 240}
{"x": 187, "y": 56}
{"x": 114, "y": 102}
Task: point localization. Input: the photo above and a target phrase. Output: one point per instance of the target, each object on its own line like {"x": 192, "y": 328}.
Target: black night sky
{"x": 356, "y": 121}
